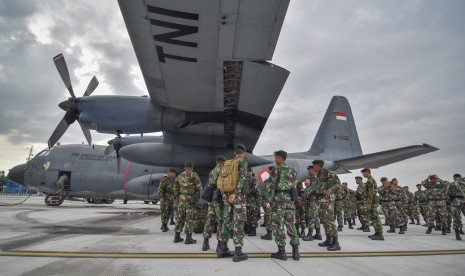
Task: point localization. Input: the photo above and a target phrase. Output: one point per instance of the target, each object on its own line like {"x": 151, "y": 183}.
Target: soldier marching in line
{"x": 399, "y": 199}
{"x": 361, "y": 196}
{"x": 254, "y": 200}
{"x": 382, "y": 191}
{"x": 349, "y": 204}
{"x": 436, "y": 190}
{"x": 412, "y": 210}
{"x": 372, "y": 205}
{"x": 300, "y": 216}
{"x": 421, "y": 199}
{"x": 167, "y": 198}
{"x": 313, "y": 207}
{"x": 390, "y": 197}
{"x": 279, "y": 189}
{"x": 187, "y": 189}
{"x": 339, "y": 206}
{"x": 456, "y": 197}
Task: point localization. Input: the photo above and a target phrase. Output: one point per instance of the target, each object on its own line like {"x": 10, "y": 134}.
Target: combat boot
{"x": 295, "y": 252}
{"x": 218, "y": 246}
{"x": 281, "y": 254}
{"x": 177, "y": 237}
{"x": 444, "y": 231}
{"x": 223, "y": 250}
{"x": 205, "y": 245}
{"x": 461, "y": 231}
{"x": 246, "y": 229}
{"x": 437, "y": 228}
{"x": 297, "y": 229}
{"x": 418, "y": 221}
{"x": 302, "y": 231}
{"x": 353, "y": 222}
{"x": 327, "y": 242}
{"x": 366, "y": 229}
{"x": 412, "y": 221}
{"x": 392, "y": 229}
{"x": 430, "y": 229}
{"x": 345, "y": 221}
{"x": 238, "y": 255}
{"x": 335, "y": 244}
{"x": 164, "y": 227}
{"x": 448, "y": 230}
{"x": 457, "y": 235}
{"x": 371, "y": 236}
{"x": 263, "y": 224}
{"x": 189, "y": 239}
{"x": 252, "y": 232}
{"x": 350, "y": 225}
{"x": 339, "y": 228}
{"x": 361, "y": 227}
{"x": 401, "y": 230}
{"x": 378, "y": 237}
{"x": 317, "y": 235}
{"x": 268, "y": 236}
{"x": 309, "y": 236}
{"x": 172, "y": 222}
{"x": 405, "y": 227}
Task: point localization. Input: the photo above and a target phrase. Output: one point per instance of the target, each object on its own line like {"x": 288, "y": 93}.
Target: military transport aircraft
{"x": 211, "y": 85}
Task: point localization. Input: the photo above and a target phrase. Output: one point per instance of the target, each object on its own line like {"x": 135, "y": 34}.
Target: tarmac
{"x": 78, "y": 238}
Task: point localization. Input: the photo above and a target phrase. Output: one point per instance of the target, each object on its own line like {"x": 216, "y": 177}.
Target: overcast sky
{"x": 401, "y": 64}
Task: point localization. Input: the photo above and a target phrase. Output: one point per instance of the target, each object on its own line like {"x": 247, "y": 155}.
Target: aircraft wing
{"x": 209, "y": 57}
{"x": 383, "y": 158}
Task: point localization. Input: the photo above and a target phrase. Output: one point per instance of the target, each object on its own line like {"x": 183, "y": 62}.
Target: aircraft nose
{"x": 17, "y": 173}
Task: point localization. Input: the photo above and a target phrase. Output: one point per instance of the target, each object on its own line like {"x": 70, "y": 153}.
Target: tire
{"x": 146, "y": 202}
{"x": 97, "y": 200}
{"x": 109, "y": 200}
{"x": 90, "y": 200}
{"x": 154, "y": 202}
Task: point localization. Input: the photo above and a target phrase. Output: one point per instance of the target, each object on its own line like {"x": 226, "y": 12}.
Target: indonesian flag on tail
{"x": 341, "y": 116}
{"x": 263, "y": 175}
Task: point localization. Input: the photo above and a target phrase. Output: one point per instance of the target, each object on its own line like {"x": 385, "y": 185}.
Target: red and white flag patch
{"x": 341, "y": 116}
{"x": 263, "y": 175}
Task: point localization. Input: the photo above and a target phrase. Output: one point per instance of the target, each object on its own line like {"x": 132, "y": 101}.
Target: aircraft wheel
{"x": 109, "y": 200}
{"x": 97, "y": 200}
{"x": 154, "y": 202}
{"x": 146, "y": 202}
{"x": 90, "y": 200}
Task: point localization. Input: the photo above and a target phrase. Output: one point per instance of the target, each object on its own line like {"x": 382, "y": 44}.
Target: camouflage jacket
{"x": 372, "y": 191}
{"x": 213, "y": 176}
{"x": 310, "y": 191}
{"x": 390, "y": 193}
{"x": 437, "y": 191}
{"x": 382, "y": 191}
{"x": 166, "y": 188}
{"x": 457, "y": 189}
{"x": 361, "y": 192}
{"x": 397, "y": 193}
{"x": 410, "y": 198}
{"x": 254, "y": 195}
{"x": 420, "y": 197}
{"x": 282, "y": 179}
{"x": 326, "y": 180}
{"x": 339, "y": 193}
{"x": 187, "y": 185}
{"x": 242, "y": 174}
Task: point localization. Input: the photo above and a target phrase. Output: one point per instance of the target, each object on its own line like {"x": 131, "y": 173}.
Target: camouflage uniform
{"x": 312, "y": 205}
{"x": 404, "y": 200}
{"x": 235, "y": 213}
{"x": 278, "y": 186}
{"x": 372, "y": 198}
{"x": 384, "y": 201}
{"x": 436, "y": 202}
{"x": 391, "y": 197}
{"x": 362, "y": 211}
{"x": 254, "y": 200}
{"x": 399, "y": 199}
{"x": 412, "y": 210}
{"x": 327, "y": 180}
{"x": 421, "y": 199}
{"x": 166, "y": 192}
{"x": 300, "y": 216}
{"x": 456, "y": 196}
{"x": 349, "y": 205}
{"x": 187, "y": 189}
{"x": 214, "y": 215}
{"x": 339, "y": 204}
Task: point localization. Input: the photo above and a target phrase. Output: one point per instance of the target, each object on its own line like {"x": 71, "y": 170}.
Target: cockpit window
{"x": 44, "y": 153}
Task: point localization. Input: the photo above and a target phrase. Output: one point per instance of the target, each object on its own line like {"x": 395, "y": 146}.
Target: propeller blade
{"x": 60, "y": 64}
{"x": 58, "y": 132}
{"x": 108, "y": 150}
{"x": 118, "y": 162}
{"x": 86, "y": 133}
{"x": 91, "y": 87}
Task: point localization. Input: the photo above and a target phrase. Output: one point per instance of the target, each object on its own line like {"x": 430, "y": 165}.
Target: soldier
{"x": 390, "y": 197}
{"x": 361, "y": 196}
{"x": 421, "y": 199}
{"x": 234, "y": 212}
{"x": 349, "y": 204}
{"x": 214, "y": 215}
{"x": 254, "y": 200}
{"x": 412, "y": 207}
{"x": 300, "y": 216}
{"x": 399, "y": 199}
{"x": 312, "y": 206}
{"x": 339, "y": 205}
{"x": 326, "y": 182}
{"x": 166, "y": 195}
{"x": 187, "y": 189}
{"x": 267, "y": 222}
{"x": 279, "y": 189}
{"x": 383, "y": 199}
{"x": 436, "y": 190}
{"x": 372, "y": 205}
{"x": 456, "y": 197}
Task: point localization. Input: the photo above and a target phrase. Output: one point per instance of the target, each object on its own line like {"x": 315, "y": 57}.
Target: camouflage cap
{"x": 418, "y": 185}
{"x": 240, "y": 146}
{"x": 365, "y": 170}
{"x": 310, "y": 167}
{"x": 344, "y": 183}
{"x": 172, "y": 170}
{"x": 188, "y": 164}
{"x": 383, "y": 179}
{"x": 221, "y": 158}
{"x": 358, "y": 177}
{"x": 394, "y": 179}
{"x": 457, "y": 175}
{"x": 280, "y": 153}
{"x": 433, "y": 176}
{"x": 318, "y": 162}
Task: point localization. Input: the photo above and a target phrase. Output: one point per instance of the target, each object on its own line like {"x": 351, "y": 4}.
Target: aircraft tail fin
{"x": 337, "y": 136}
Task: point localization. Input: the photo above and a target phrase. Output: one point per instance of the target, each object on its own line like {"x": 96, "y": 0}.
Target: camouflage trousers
{"x": 349, "y": 209}
{"x": 214, "y": 216}
{"x": 326, "y": 213}
{"x": 423, "y": 210}
{"x": 300, "y": 216}
{"x": 234, "y": 217}
{"x": 412, "y": 211}
{"x": 402, "y": 215}
{"x": 362, "y": 212}
{"x": 373, "y": 213}
{"x": 185, "y": 216}
{"x": 283, "y": 215}
{"x": 457, "y": 212}
{"x": 437, "y": 211}
{"x": 449, "y": 214}
{"x": 313, "y": 215}
{"x": 395, "y": 217}
{"x": 338, "y": 208}
{"x": 267, "y": 218}
{"x": 385, "y": 209}
{"x": 253, "y": 214}
{"x": 167, "y": 209}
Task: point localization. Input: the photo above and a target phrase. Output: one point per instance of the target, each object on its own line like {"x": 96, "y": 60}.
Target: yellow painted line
{"x": 53, "y": 254}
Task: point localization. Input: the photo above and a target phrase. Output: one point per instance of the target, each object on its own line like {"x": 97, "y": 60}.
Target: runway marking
{"x": 109, "y": 255}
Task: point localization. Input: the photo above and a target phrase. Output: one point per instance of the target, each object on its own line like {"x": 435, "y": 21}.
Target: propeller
{"x": 114, "y": 145}
{"x": 70, "y": 105}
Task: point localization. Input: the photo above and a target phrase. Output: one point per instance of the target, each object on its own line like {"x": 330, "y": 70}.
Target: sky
{"x": 401, "y": 64}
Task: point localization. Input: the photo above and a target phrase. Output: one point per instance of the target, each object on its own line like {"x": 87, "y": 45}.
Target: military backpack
{"x": 229, "y": 175}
